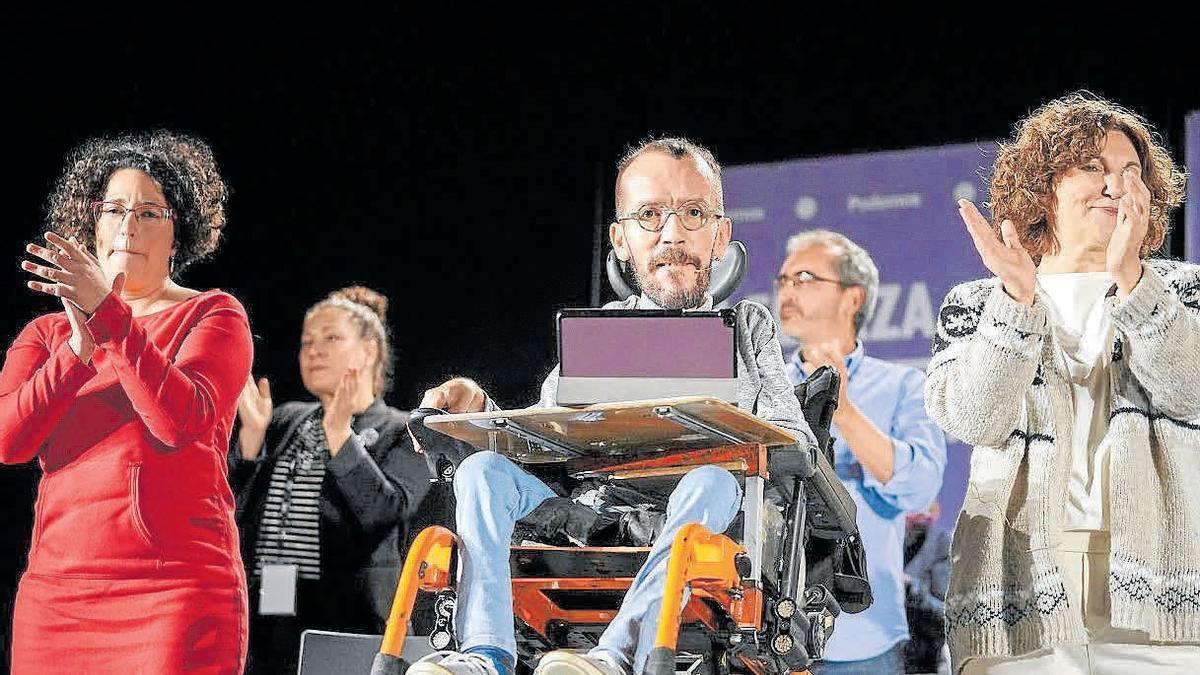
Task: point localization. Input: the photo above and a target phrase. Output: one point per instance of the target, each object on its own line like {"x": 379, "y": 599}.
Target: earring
{"x": 171, "y": 266}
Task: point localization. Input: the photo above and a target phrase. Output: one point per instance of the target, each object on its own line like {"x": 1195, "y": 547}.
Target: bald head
{"x": 680, "y": 149}
{"x": 671, "y": 264}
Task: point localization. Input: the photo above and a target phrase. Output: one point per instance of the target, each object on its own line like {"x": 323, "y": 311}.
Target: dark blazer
{"x": 368, "y": 499}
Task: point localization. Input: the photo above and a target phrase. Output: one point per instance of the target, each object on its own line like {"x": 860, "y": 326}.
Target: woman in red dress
{"x": 126, "y": 399}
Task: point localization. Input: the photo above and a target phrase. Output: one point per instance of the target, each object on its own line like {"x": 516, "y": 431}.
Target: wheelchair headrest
{"x": 727, "y": 274}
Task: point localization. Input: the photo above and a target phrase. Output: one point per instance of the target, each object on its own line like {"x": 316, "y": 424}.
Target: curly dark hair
{"x": 1066, "y": 133}
{"x": 182, "y": 165}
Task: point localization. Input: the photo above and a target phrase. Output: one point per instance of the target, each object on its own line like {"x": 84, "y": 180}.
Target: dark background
{"x": 453, "y": 160}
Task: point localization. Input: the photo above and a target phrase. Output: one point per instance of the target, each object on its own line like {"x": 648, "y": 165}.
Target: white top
{"x": 1076, "y": 307}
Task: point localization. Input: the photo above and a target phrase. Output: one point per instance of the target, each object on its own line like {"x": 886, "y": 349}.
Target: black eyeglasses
{"x": 800, "y": 279}
{"x": 692, "y": 215}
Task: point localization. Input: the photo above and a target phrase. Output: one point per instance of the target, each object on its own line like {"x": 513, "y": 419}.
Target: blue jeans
{"x": 890, "y": 662}
{"x": 493, "y": 493}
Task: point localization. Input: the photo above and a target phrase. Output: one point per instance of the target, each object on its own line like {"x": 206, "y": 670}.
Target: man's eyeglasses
{"x": 145, "y": 213}
{"x": 801, "y": 279}
{"x": 692, "y": 216}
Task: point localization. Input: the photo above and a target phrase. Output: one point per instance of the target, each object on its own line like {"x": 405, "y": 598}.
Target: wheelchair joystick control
{"x": 442, "y": 453}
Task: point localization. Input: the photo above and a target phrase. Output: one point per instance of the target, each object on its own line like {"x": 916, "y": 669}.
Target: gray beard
{"x": 679, "y": 299}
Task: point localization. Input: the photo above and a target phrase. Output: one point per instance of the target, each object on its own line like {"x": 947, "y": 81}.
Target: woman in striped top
{"x": 325, "y": 490}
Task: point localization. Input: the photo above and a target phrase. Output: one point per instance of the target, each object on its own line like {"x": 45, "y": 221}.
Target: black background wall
{"x": 450, "y": 158}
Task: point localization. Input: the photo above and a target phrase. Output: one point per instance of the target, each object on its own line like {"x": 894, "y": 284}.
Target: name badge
{"x": 277, "y": 593}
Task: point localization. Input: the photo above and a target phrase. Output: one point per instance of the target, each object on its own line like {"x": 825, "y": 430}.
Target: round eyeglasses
{"x": 692, "y": 216}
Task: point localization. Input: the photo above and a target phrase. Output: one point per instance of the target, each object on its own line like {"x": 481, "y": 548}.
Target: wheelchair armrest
{"x": 818, "y": 396}
{"x": 443, "y": 453}
{"x": 831, "y": 511}
{"x": 836, "y": 558}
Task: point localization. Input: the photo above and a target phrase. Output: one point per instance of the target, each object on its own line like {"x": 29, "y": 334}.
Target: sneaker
{"x": 567, "y": 662}
{"x": 453, "y": 663}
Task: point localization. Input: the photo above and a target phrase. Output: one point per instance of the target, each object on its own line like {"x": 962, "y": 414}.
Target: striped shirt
{"x": 290, "y": 530}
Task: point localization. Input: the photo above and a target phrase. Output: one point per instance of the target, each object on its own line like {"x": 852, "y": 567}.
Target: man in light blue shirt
{"x": 888, "y": 454}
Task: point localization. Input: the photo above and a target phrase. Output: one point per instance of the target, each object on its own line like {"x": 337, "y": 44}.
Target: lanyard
{"x": 312, "y": 448}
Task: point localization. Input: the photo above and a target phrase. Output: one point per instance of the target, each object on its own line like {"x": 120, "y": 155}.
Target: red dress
{"x": 134, "y": 565}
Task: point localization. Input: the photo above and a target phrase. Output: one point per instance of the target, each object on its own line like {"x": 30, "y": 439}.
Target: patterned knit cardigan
{"x": 995, "y": 381}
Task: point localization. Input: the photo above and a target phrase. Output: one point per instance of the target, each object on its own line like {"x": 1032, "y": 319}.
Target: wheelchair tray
{"x": 533, "y": 435}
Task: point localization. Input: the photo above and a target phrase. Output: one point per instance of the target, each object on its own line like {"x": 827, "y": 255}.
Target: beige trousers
{"x": 1083, "y": 559}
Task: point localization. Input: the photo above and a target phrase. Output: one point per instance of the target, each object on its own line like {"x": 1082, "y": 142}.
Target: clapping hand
{"x": 68, "y": 271}
{"x": 340, "y": 411}
{"x": 1123, "y": 259}
{"x": 1004, "y": 256}
{"x": 254, "y": 413}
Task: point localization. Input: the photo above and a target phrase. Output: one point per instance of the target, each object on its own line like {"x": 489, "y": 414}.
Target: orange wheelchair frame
{"x": 728, "y": 624}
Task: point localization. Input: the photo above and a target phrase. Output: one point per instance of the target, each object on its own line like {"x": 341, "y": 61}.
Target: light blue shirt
{"x": 892, "y": 397}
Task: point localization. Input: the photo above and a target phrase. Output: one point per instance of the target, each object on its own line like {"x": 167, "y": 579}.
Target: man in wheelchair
{"x": 669, "y": 229}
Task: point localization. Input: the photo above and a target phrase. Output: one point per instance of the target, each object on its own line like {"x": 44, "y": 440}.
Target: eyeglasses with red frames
{"x": 146, "y": 213}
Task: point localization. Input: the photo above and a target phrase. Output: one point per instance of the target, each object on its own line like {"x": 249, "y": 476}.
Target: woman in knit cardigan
{"x": 1073, "y": 372}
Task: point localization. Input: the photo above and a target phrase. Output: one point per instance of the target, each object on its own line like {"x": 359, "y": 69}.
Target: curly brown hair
{"x": 1065, "y": 133}
{"x": 182, "y": 165}
{"x": 366, "y": 309}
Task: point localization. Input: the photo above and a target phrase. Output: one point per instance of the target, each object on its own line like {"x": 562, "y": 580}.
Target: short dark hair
{"x": 677, "y": 147}
{"x": 183, "y": 166}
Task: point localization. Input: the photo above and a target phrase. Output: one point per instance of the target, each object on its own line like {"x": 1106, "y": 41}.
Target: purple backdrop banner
{"x": 899, "y": 206}
{"x": 1191, "y": 207}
